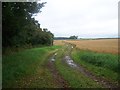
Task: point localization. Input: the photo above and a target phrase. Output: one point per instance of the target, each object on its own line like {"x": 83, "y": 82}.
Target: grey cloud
{"x": 80, "y": 17}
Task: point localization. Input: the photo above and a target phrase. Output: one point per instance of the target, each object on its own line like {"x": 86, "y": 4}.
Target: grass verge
{"x": 101, "y": 64}
{"x": 26, "y": 68}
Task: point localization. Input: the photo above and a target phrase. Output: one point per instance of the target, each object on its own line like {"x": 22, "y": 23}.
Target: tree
{"x": 19, "y": 27}
{"x": 49, "y": 36}
{"x": 73, "y": 37}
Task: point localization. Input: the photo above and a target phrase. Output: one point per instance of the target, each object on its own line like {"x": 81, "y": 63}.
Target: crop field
{"x": 100, "y": 45}
{"x": 58, "y": 42}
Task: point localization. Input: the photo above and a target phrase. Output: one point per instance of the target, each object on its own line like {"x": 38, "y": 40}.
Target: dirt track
{"x": 62, "y": 83}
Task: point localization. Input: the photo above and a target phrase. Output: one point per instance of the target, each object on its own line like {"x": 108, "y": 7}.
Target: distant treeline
{"x": 66, "y": 38}
{"x": 60, "y": 38}
{"x": 19, "y": 26}
{"x": 96, "y": 38}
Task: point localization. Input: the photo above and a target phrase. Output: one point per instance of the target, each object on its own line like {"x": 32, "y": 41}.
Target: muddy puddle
{"x": 70, "y": 61}
{"x": 52, "y": 59}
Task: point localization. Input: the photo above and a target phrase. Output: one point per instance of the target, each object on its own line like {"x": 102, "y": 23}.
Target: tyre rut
{"x": 58, "y": 79}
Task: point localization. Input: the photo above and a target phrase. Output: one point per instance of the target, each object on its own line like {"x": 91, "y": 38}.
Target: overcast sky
{"x": 84, "y": 18}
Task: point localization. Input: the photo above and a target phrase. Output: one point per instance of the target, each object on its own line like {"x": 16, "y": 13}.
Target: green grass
{"x": 74, "y": 77}
{"x": 27, "y": 64}
{"x": 28, "y": 68}
{"x": 101, "y": 64}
